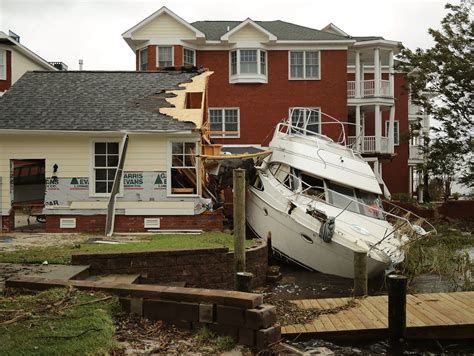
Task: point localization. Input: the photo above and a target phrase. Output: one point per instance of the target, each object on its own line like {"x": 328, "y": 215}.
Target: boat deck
{"x": 429, "y": 316}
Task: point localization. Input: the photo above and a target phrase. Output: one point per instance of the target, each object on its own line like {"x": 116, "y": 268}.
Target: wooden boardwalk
{"x": 434, "y": 315}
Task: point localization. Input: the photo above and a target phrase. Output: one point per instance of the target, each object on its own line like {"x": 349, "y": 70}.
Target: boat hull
{"x": 302, "y": 244}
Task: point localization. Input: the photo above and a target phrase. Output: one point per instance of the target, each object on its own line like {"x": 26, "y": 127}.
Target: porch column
{"x": 357, "y": 75}
{"x": 391, "y": 74}
{"x": 378, "y": 128}
{"x": 410, "y": 181}
{"x": 359, "y": 143}
{"x": 420, "y": 187}
{"x": 376, "y": 72}
{"x": 391, "y": 131}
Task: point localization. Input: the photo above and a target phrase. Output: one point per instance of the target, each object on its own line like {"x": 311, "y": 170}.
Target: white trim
{"x": 194, "y": 54}
{"x": 3, "y": 70}
{"x": 158, "y": 55}
{"x": 169, "y": 158}
{"x": 33, "y": 56}
{"x": 223, "y": 120}
{"x": 304, "y": 65}
{"x": 271, "y": 36}
{"x": 218, "y": 46}
{"x": 163, "y": 10}
{"x": 92, "y": 143}
{"x": 98, "y": 133}
{"x": 334, "y": 29}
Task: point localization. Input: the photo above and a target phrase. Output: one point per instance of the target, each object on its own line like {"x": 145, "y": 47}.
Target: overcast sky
{"x": 66, "y": 30}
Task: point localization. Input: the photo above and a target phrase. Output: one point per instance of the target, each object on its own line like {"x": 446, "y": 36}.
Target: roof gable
{"x": 248, "y": 31}
{"x": 163, "y": 23}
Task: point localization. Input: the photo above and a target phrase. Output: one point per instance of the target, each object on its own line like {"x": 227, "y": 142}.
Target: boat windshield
{"x": 355, "y": 200}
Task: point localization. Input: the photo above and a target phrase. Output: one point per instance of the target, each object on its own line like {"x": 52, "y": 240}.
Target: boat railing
{"x": 404, "y": 222}
{"x": 302, "y": 123}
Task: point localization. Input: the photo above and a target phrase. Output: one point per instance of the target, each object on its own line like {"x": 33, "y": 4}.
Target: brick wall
{"x": 453, "y": 209}
{"x": 208, "y": 221}
{"x": 203, "y": 268}
{"x": 8, "y": 222}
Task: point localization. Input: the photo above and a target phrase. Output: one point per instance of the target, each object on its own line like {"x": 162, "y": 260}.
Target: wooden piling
{"x": 360, "y": 273}
{"x": 397, "y": 312}
{"x": 239, "y": 221}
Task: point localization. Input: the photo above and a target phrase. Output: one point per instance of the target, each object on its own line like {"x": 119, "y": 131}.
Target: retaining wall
{"x": 453, "y": 209}
{"x": 203, "y": 268}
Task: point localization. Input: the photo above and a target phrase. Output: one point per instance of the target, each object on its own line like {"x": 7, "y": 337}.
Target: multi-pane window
{"x": 308, "y": 119}
{"x": 106, "y": 159}
{"x": 183, "y": 168}
{"x": 304, "y": 65}
{"x": 189, "y": 57}
{"x": 224, "y": 122}
{"x": 144, "y": 59}
{"x": 165, "y": 57}
{"x": 248, "y": 61}
{"x": 3, "y": 64}
{"x": 233, "y": 62}
{"x": 396, "y": 131}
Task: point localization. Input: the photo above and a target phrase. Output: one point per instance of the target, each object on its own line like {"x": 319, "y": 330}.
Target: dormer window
{"x": 248, "y": 66}
{"x": 165, "y": 56}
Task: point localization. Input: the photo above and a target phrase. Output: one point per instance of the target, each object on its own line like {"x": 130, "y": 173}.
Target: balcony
{"x": 415, "y": 154}
{"x": 367, "y": 89}
{"x": 368, "y": 144}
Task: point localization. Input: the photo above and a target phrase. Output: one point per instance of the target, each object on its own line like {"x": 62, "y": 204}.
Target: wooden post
{"x": 239, "y": 221}
{"x": 360, "y": 273}
{"x": 397, "y": 299}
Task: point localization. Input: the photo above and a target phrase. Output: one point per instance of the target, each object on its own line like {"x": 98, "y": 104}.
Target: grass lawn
{"x": 57, "y": 322}
{"x": 62, "y": 254}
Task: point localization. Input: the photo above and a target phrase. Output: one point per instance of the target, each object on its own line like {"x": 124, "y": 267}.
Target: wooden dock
{"x": 429, "y": 316}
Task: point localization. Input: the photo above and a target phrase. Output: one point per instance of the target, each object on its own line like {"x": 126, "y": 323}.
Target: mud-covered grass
{"x": 444, "y": 254}
{"x": 57, "y": 322}
{"x": 62, "y": 254}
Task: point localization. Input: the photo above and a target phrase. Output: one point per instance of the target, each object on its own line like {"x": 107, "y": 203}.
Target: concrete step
{"x": 115, "y": 278}
{"x": 58, "y": 272}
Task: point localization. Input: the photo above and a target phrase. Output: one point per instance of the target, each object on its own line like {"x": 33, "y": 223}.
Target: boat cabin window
{"x": 356, "y": 200}
{"x": 257, "y": 183}
{"x": 285, "y": 175}
{"x": 312, "y": 185}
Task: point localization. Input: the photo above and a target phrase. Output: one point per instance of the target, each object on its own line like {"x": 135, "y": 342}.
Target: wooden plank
{"x": 415, "y": 308}
{"x": 365, "y": 320}
{"x": 379, "y": 309}
{"x": 464, "y": 305}
{"x": 416, "y": 318}
{"x": 443, "y": 308}
{"x": 458, "y": 307}
{"x": 289, "y": 329}
{"x": 338, "y": 320}
{"x": 318, "y": 325}
{"x": 349, "y": 315}
{"x": 370, "y": 315}
{"x": 429, "y": 308}
{"x": 326, "y": 320}
{"x": 466, "y": 297}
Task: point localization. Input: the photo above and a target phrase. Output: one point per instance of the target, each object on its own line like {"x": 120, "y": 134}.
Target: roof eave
{"x": 249, "y": 21}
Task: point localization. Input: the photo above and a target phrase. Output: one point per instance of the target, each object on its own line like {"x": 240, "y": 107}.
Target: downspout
{"x": 109, "y": 225}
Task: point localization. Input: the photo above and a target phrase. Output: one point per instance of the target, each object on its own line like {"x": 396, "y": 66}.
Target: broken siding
{"x": 163, "y": 26}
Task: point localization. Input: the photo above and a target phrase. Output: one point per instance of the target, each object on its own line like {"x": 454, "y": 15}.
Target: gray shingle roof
{"x": 281, "y": 29}
{"x": 92, "y": 101}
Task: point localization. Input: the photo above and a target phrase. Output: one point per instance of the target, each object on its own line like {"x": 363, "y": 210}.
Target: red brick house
{"x": 262, "y": 69}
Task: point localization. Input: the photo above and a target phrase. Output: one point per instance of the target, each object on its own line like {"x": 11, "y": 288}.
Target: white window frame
{"x": 223, "y": 121}
{"x": 140, "y": 59}
{"x": 396, "y": 129}
{"x": 304, "y": 65}
{"x": 170, "y": 164}
{"x": 92, "y": 191}
{"x": 3, "y": 65}
{"x": 194, "y": 55}
{"x": 158, "y": 55}
{"x": 307, "y": 107}
{"x": 257, "y": 77}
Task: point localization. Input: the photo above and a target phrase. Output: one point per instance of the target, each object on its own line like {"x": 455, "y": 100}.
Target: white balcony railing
{"x": 415, "y": 153}
{"x": 368, "y": 144}
{"x": 367, "y": 88}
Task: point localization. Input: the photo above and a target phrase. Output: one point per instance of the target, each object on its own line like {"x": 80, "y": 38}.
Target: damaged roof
{"x": 93, "y": 101}
{"x": 214, "y": 30}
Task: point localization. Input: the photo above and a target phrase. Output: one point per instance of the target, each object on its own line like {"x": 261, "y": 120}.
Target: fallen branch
{"x": 68, "y": 336}
{"x": 17, "y": 318}
{"x": 86, "y": 303}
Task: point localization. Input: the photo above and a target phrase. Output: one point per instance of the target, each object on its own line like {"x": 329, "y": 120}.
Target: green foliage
{"x": 402, "y": 197}
{"x": 54, "y": 323}
{"x": 62, "y": 254}
{"x": 222, "y": 343}
{"x": 441, "y": 81}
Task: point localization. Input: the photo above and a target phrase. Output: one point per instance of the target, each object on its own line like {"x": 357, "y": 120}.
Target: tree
{"x": 441, "y": 81}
